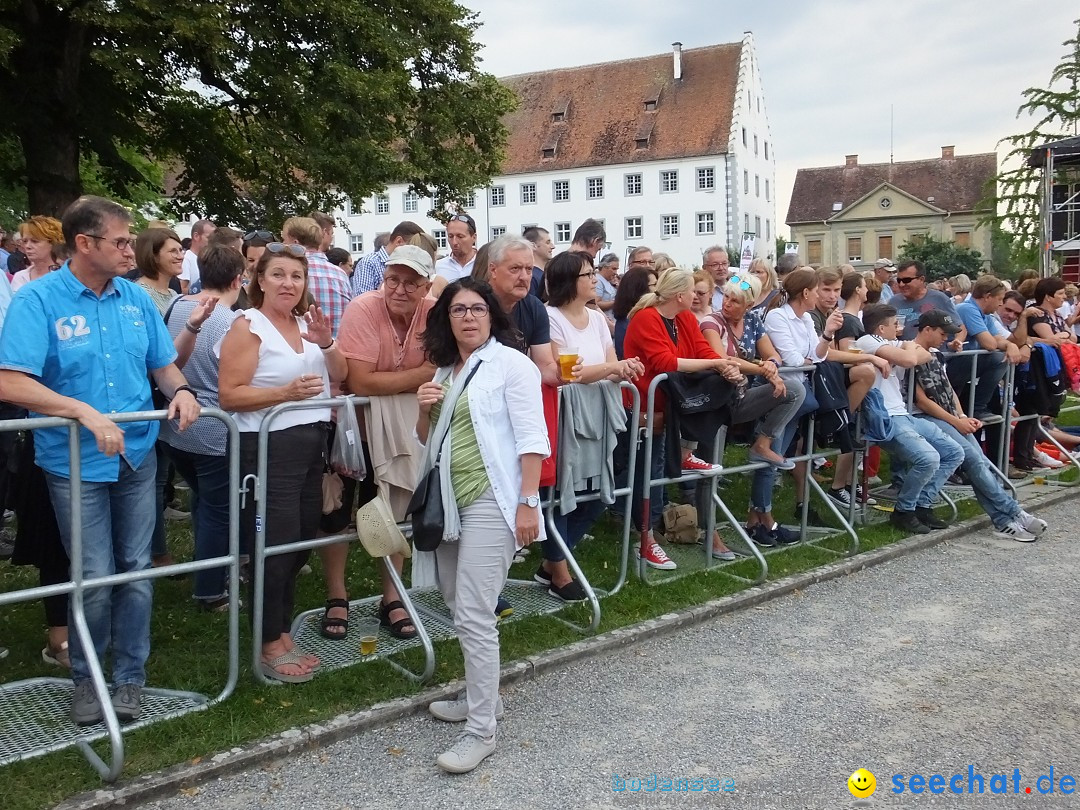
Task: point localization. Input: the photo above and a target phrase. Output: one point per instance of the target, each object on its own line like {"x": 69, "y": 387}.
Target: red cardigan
{"x": 647, "y": 339}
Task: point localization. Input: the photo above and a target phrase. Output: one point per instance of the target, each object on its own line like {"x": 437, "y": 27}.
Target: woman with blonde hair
{"x": 960, "y": 286}
{"x": 770, "y": 286}
{"x": 662, "y": 262}
{"x": 39, "y": 234}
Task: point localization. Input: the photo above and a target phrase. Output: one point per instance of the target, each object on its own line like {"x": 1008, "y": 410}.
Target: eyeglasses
{"x": 266, "y": 236}
{"x": 905, "y": 280}
{"x": 280, "y": 247}
{"x": 460, "y": 310}
{"x": 742, "y": 282}
{"x": 590, "y": 274}
{"x": 120, "y": 244}
{"x": 711, "y": 265}
{"x": 177, "y": 251}
{"x": 393, "y": 283}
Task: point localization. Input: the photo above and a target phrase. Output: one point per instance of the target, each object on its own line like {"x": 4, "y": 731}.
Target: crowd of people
{"x": 500, "y": 364}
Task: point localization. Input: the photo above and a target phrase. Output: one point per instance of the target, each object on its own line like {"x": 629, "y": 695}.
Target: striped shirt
{"x": 467, "y": 472}
{"x": 329, "y": 286}
{"x": 368, "y": 272}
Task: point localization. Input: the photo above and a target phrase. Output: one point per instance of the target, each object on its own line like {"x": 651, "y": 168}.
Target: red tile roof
{"x": 604, "y": 111}
{"x": 956, "y": 184}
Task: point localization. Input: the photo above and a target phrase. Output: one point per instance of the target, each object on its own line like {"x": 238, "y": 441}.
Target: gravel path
{"x": 959, "y": 655}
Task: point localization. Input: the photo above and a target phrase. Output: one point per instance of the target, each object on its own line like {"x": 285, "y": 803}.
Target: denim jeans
{"x": 656, "y": 496}
{"x": 158, "y": 545}
{"x": 989, "y": 491}
{"x": 117, "y": 521}
{"x": 208, "y": 477}
{"x": 929, "y": 457}
{"x": 990, "y": 370}
{"x": 573, "y": 526}
{"x": 761, "y": 485}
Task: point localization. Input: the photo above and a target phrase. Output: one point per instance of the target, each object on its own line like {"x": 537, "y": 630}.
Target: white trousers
{"x": 471, "y": 575}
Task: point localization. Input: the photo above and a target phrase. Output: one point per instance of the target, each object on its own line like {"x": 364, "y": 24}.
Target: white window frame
{"x": 528, "y": 190}
{"x": 410, "y": 202}
{"x": 566, "y": 234}
{"x": 470, "y": 200}
{"x": 711, "y": 228}
{"x": 558, "y": 188}
{"x": 382, "y": 203}
{"x": 439, "y": 235}
{"x": 631, "y": 223}
{"x": 669, "y": 225}
{"x": 635, "y": 178}
{"x": 497, "y": 196}
{"x": 594, "y": 188}
{"x": 745, "y": 181}
{"x": 497, "y": 231}
{"x": 356, "y": 243}
{"x": 669, "y": 181}
{"x": 706, "y": 178}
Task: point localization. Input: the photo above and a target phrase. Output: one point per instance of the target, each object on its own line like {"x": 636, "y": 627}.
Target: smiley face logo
{"x": 862, "y": 784}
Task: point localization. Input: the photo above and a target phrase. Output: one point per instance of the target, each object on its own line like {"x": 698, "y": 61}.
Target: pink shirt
{"x": 366, "y": 334}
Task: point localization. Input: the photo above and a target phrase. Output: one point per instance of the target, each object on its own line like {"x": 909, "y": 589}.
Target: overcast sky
{"x": 952, "y": 71}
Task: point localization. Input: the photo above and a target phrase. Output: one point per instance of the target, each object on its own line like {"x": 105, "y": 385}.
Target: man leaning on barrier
{"x": 986, "y": 297}
{"x": 78, "y": 344}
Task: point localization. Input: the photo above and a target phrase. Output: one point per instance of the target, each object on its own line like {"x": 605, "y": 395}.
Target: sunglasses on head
{"x": 296, "y": 251}
{"x": 463, "y": 218}
{"x": 266, "y": 236}
{"x": 742, "y": 283}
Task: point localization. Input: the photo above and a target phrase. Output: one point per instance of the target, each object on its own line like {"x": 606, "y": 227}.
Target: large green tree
{"x": 942, "y": 259}
{"x": 257, "y": 108}
{"x": 1055, "y": 112}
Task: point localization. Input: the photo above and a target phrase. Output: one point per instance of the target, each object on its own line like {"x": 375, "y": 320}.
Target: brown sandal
{"x": 395, "y": 628}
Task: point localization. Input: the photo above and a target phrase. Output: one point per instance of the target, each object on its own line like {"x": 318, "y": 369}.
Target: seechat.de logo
{"x": 862, "y": 784}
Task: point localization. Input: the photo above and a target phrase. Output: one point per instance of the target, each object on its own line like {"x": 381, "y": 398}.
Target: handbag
{"x": 426, "y": 504}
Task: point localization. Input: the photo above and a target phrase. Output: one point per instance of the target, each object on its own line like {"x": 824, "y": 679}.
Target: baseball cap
{"x": 883, "y": 263}
{"x": 413, "y": 257}
{"x": 937, "y": 319}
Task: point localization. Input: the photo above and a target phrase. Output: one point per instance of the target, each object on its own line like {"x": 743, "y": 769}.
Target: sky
{"x": 951, "y": 73}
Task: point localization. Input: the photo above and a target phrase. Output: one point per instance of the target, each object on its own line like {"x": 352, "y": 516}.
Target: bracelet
{"x": 329, "y": 346}
{"x": 828, "y": 338}
{"x": 187, "y": 388}
{"x": 773, "y": 361}
{"x": 192, "y": 329}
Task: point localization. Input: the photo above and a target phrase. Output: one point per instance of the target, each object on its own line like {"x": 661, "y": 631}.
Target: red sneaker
{"x": 655, "y": 557}
{"x": 697, "y": 465}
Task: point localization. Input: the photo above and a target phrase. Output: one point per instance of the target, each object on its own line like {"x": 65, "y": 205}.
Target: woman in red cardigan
{"x": 664, "y": 334}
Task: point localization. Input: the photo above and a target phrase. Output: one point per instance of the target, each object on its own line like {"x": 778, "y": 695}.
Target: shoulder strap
{"x": 168, "y": 311}
{"x": 448, "y": 412}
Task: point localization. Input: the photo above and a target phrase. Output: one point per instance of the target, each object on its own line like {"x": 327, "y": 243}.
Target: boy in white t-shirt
{"x": 919, "y": 449}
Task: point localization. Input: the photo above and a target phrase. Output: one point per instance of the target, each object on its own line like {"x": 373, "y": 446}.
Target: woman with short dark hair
{"x": 636, "y": 282}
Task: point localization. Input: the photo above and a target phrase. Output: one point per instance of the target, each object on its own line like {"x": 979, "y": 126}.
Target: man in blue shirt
{"x": 986, "y": 296}
{"x": 915, "y": 298}
{"x": 78, "y": 344}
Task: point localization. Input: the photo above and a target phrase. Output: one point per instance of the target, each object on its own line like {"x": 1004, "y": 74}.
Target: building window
{"x": 757, "y": 226}
{"x": 470, "y": 200}
{"x": 410, "y": 202}
{"x": 706, "y": 179}
{"x": 884, "y": 247}
{"x": 497, "y": 231}
{"x": 595, "y": 188}
{"x": 766, "y": 189}
{"x": 813, "y": 251}
{"x": 744, "y": 128}
{"x": 641, "y": 143}
{"x": 745, "y": 182}
{"x": 650, "y": 106}
{"x": 440, "y": 238}
{"x": 633, "y": 185}
{"x": 706, "y": 223}
{"x": 497, "y": 196}
{"x": 917, "y": 238}
{"x": 768, "y": 230}
{"x": 854, "y": 249}
{"x": 962, "y": 239}
{"x": 347, "y": 207}
{"x": 757, "y": 185}
{"x": 633, "y": 227}
{"x": 528, "y": 193}
{"x": 560, "y": 190}
{"x": 549, "y": 153}
{"x": 562, "y": 233}
{"x": 669, "y": 225}
{"x": 755, "y": 146}
{"x": 356, "y": 243}
{"x": 669, "y": 180}
{"x": 556, "y": 117}
{"x": 382, "y": 203}
{"x": 766, "y": 150}
{"x": 746, "y": 223}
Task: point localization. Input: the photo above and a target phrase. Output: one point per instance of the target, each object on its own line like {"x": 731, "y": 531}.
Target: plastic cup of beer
{"x": 567, "y": 360}
{"x": 368, "y": 632}
{"x": 900, "y": 320}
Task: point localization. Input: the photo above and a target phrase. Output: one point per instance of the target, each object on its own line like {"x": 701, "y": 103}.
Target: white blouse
{"x": 795, "y": 338}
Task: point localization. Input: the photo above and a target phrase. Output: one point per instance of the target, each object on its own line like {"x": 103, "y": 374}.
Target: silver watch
{"x": 532, "y": 501}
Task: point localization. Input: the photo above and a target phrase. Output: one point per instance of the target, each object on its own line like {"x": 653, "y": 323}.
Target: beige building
{"x": 856, "y": 214}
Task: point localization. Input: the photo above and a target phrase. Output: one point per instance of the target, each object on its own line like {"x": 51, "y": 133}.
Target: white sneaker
{"x": 465, "y": 754}
{"x": 457, "y": 710}
{"x": 1048, "y": 461}
{"x": 1033, "y": 524}
{"x": 176, "y": 514}
{"x": 1014, "y": 530}
{"x": 873, "y": 481}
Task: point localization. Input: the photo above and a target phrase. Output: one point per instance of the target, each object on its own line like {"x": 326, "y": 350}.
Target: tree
{"x": 1056, "y": 109}
{"x": 942, "y": 259}
{"x": 258, "y": 109}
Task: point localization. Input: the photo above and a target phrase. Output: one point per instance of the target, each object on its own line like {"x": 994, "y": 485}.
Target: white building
{"x": 671, "y": 151}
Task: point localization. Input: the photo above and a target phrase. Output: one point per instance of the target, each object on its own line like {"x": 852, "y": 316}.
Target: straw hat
{"x": 378, "y": 531}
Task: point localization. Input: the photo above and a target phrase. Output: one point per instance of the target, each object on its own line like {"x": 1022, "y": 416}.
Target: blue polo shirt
{"x": 96, "y": 350}
{"x": 974, "y": 321}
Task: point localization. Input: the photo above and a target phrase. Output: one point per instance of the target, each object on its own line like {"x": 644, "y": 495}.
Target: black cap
{"x": 938, "y": 319}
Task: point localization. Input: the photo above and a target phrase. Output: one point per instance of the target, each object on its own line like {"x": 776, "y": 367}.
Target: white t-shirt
{"x": 592, "y": 342}
{"x": 449, "y": 268}
{"x": 889, "y": 387}
{"x": 190, "y": 271}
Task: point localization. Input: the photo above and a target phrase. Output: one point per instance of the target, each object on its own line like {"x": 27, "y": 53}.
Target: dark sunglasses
{"x": 464, "y": 218}
{"x": 296, "y": 251}
{"x": 266, "y": 236}
{"x": 906, "y": 280}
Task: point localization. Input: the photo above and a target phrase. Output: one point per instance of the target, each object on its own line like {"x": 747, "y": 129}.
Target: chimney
{"x": 947, "y": 152}
{"x": 850, "y": 161}
{"x": 676, "y": 48}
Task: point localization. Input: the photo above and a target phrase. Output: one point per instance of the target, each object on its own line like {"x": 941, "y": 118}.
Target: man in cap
{"x": 936, "y": 402}
{"x": 885, "y": 270}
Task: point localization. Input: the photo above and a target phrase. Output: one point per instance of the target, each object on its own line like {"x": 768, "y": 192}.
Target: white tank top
{"x": 279, "y": 365}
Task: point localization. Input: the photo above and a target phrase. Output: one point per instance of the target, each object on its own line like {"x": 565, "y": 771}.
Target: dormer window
{"x": 556, "y": 117}
{"x": 549, "y": 154}
{"x": 642, "y": 143}
{"x": 650, "y": 106}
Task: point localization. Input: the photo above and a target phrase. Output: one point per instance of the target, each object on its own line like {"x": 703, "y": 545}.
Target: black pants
{"x": 297, "y": 457}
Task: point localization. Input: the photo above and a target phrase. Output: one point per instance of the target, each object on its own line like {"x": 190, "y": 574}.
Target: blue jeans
{"x": 929, "y": 457}
{"x": 117, "y": 521}
{"x": 208, "y": 477}
{"x": 158, "y": 545}
{"x": 761, "y": 485}
{"x": 656, "y": 496}
{"x": 573, "y": 526}
{"x": 989, "y": 491}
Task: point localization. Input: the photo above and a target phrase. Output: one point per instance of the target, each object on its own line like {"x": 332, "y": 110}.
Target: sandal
{"x": 57, "y": 656}
{"x": 328, "y": 624}
{"x": 395, "y": 628}
{"x": 269, "y": 668}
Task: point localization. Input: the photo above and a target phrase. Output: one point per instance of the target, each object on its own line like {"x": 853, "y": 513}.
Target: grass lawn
{"x": 189, "y": 650}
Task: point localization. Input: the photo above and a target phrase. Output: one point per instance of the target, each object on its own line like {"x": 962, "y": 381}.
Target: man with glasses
{"x": 885, "y": 271}
{"x": 916, "y": 297}
{"x": 77, "y": 344}
{"x": 368, "y": 270}
{"x": 716, "y": 262}
{"x": 461, "y": 234}
{"x": 381, "y": 339}
{"x": 640, "y": 256}
{"x": 200, "y": 236}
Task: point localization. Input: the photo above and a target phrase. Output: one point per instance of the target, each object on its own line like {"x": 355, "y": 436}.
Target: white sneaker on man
{"x": 465, "y": 754}
{"x": 1048, "y": 461}
{"x": 1033, "y": 524}
{"x": 1014, "y": 530}
{"x": 457, "y": 710}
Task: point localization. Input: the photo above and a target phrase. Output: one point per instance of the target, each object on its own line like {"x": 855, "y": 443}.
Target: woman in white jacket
{"x": 493, "y": 462}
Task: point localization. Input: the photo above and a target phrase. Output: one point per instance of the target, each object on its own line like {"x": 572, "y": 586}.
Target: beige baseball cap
{"x": 413, "y": 257}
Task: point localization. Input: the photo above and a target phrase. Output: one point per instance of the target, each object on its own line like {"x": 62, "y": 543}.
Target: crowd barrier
{"x": 34, "y": 712}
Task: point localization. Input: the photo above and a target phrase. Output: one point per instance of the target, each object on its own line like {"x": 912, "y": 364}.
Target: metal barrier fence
{"x": 34, "y": 713}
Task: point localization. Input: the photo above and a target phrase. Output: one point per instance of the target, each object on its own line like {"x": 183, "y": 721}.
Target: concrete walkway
{"x": 963, "y": 654}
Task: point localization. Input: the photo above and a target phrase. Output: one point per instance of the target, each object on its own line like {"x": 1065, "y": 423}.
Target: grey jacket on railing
{"x": 590, "y": 417}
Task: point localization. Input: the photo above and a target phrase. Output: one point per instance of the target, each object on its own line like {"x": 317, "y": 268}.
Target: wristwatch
{"x": 532, "y": 501}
